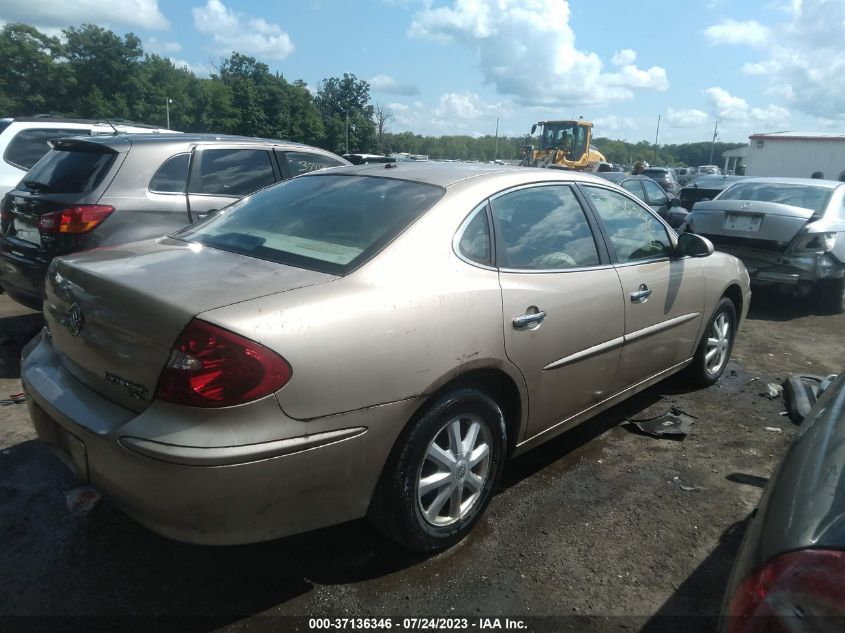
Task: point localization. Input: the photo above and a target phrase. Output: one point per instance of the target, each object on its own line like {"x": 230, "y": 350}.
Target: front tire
{"x": 713, "y": 352}
{"x": 442, "y": 473}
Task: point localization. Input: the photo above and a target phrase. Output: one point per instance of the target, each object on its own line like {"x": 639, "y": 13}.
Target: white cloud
{"x": 604, "y": 126}
{"x": 154, "y": 45}
{"x": 465, "y": 106}
{"x": 624, "y": 57}
{"x": 234, "y": 31}
{"x": 686, "y": 118}
{"x": 733, "y": 32}
{"x": 138, "y": 13}
{"x": 454, "y": 113}
{"x": 200, "y": 70}
{"x": 728, "y": 107}
{"x": 389, "y": 85}
{"x": 526, "y": 48}
{"x": 804, "y": 60}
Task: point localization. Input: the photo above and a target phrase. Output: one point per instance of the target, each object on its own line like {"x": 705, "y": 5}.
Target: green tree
{"x": 345, "y": 105}
{"x": 31, "y": 79}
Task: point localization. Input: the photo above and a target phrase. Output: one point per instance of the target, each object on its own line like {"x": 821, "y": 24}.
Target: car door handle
{"x": 524, "y": 320}
{"x": 641, "y": 295}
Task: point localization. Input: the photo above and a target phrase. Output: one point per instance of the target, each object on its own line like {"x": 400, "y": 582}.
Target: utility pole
{"x": 496, "y": 150}
{"x": 167, "y": 102}
{"x": 713, "y": 146}
{"x": 656, "y": 136}
{"x": 347, "y": 131}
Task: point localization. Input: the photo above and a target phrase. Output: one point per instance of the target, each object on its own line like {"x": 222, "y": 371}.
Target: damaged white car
{"x": 787, "y": 231}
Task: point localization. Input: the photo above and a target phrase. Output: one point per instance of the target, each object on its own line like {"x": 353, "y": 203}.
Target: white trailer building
{"x": 797, "y": 155}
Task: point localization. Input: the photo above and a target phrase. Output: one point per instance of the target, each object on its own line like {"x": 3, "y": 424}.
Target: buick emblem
{"x": 745, "y": 205}
{"x": 75, "y": 320}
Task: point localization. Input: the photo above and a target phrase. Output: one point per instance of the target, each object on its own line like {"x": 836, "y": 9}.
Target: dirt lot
{"x": 593, "y": 526}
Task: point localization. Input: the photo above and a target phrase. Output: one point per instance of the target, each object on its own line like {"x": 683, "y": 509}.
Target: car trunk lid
{"x": 114, "y": 314}
{"x": 751, "y": 224}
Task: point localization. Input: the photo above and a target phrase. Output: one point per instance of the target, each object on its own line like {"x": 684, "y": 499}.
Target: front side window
{"x": 172, "y": 176}
{"x": 304, "y": 162}
{"x": 655, "y": 193}
{"x": 633, "y": 186}
{"x": 634, "y": 232}
{"x": 544, "y": 228}
{"x": 232, "y": 172}
{"x": 29, "y": 146}
{"x": 329, "y": 223}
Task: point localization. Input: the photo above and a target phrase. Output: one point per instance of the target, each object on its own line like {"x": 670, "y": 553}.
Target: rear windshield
{"x": 76, "y": 169}
{"x": 329, "y": 223}
{"x": 804, "y": 196}
{"x": 655, "y": 173}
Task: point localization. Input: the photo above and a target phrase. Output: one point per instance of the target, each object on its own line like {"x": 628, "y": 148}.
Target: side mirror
{"x": 533, "y": 128}
{"x": 692, "y": 245}
{"x": 675, "y": 202}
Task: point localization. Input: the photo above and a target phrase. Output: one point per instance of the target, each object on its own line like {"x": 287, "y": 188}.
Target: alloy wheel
{"x": 718, "y": 344}
{"x": 454, "y": 471}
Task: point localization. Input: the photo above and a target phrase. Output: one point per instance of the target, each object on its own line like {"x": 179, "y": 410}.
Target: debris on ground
{"x": 675, "y": 424}
{"x": 82, "y": 500}
{"x": 14, "y": 398}
{"x": 684, "y": 487}
{"x": 801, "y": 392}
{"x": 773, "y": 429}
{"x": 773, "y": 390}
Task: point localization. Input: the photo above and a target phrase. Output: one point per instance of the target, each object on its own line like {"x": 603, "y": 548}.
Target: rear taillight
{"x": 807, "y": 584}
{"x": 82, "y": 218}
{"x": 213, "y": 367}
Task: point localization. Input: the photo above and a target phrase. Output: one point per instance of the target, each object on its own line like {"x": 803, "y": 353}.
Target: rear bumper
{"x": 767, "y": 268}
{"x": 23, "y": 279}
{"x": 204, "y": 489}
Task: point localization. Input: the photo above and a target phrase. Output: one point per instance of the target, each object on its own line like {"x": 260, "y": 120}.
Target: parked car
{"x": 665, "y": 205}
{"x": 685, "y": 175}
{"x": 24, "y": 140}
{"x": 363, "y": 159}
{"x": 705, "y": 187}
{"x": 99, "y": 191}
{"x": 789, "y": 572}
{"x": 710, "y": 170}
{"x": 354, "y": 342}
{"x": 789, "y": 232}
{"x": 664, "y": 177}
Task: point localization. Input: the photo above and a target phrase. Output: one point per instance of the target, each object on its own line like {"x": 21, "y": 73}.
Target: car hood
{"x": 113, "y": 314}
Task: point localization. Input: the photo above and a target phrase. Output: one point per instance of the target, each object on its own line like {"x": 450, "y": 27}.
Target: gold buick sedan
{"x": 374, "y": 340}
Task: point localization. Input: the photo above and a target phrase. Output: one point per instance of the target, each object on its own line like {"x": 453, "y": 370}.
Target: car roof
{"x": 179, "y": 137}
{"x": 61, "y": 119}
{"x": 448, "y": 174}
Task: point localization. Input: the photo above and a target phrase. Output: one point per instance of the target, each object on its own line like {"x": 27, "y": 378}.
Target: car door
{"x": 663, "y": 295}
{"x": 221, "y": 175}
{"x": 561, "y": 300}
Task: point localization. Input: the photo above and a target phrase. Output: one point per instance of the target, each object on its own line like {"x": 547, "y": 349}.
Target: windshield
{"x": 329, "y": 223}
{"x": 804, "y": 196}
{"x": 67, "y": 170}
{"x": 570, "y": 137}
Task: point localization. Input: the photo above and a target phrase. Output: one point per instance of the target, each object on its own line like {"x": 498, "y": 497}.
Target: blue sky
{"x": 455, "y": 66}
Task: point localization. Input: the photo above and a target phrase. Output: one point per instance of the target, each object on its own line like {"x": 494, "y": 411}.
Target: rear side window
{"x": 304, "y": 162}
{"x": 329, "y": 223}
{"x": 72, "y": 169}
{"x": 29, "y": 146}
{"x": 475, "y": 242}
{"x": 233, "y": 172}
{"x": 544, "y": 228}
{"x": 172, "y": 176}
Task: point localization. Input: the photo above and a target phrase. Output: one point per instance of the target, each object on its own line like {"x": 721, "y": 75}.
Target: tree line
{"x": 92, "y": 72}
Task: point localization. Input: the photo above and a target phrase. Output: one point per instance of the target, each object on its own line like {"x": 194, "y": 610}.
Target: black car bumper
{"x": 23, "y": 279}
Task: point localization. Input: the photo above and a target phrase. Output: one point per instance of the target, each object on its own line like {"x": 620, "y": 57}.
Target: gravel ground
{"x": 594, "y": 525}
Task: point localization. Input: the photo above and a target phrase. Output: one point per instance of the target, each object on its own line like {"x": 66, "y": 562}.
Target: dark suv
{"x": 664, "y": 177}
{"x": 100, "y": 191}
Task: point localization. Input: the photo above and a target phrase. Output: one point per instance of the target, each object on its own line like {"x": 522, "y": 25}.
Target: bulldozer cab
{"x": 564, "y": 143}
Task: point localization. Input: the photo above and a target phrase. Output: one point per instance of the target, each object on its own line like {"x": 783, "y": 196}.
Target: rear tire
{"x": 442, "y": 472}
{"x": 715, "y": 347}
{"x": 830, "y": 294}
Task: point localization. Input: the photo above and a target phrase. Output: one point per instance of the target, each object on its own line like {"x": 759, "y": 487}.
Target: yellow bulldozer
{"x": 563, "y": 145}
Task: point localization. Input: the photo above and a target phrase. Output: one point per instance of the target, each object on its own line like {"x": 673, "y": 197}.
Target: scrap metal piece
{"x": 675, "y": 424}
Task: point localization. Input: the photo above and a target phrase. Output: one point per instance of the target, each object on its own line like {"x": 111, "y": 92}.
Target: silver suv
{"x": 89, "y": 192}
